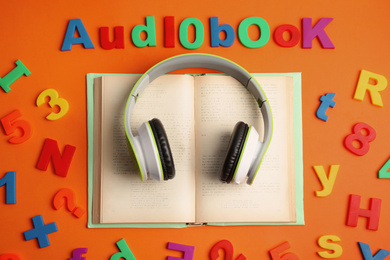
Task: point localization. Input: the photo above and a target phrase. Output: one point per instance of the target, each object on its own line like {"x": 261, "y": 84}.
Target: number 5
{"x": 11, "y": 124}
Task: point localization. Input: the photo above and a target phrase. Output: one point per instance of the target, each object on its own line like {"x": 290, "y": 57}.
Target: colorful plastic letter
{"x": 227, "y": 248}
{"x": 69, "y": 39}
{"x": 61, "y": 163}
{"x": 118, "y": 41}
{"x": 11, "y": 123}
{"x": 243, "y": 32}
{"x": 40, "y": 231}
{"x": 367, "y": 254}
{"x": 373, "y": 213}
{"x": 366, "y": 79}
{"x": 169, "y": 32}
{"x": 54, "y": 101}
{"x": 150, "y": 31}
{"x": 293, "y": 31}
{"x": 336, "y": 249}
{"x": 359, "y": 137}
{"x": 309, "y": 33}
{"x": 199, "y": 33}
{"x": 383, "y": 173}
{"x": 275, "y": 252}
{"x": 125, "y": 251}
{"x": 9, "y": 257}
{"x": 77, "y": 254}
{"x": 326, "y": 181}
{"x": 326, "y": 102}
{"x": 9, "y": 181}
{"x": 216, "y": 29}
{"x": 188, "y": 251}
{"x": 13, "y": 75}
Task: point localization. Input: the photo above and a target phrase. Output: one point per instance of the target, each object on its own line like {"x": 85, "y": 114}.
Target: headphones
{"x": 151, "y": 150}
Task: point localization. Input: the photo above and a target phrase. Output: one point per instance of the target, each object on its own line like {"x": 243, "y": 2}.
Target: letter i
{"x": 13, "y": 75}
{"x": 169, "y": 32}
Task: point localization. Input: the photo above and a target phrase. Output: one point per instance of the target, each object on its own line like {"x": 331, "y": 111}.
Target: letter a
{"x": 69, "y": 39}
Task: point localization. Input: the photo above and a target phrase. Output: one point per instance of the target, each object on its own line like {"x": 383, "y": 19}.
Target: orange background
{"x": 33, "y": 32}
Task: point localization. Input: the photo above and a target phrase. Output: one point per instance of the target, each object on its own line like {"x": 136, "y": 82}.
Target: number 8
{"x": 362, "y": 139}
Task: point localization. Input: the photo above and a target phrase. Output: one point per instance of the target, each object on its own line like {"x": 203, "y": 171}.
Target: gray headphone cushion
{"x": 236, "y": 144}
{"x": 163, "y": 148}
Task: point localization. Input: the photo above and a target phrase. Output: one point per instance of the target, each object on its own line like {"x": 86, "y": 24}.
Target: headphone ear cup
{"x": 234, "y": 150}
{"x": 164, "y": 149}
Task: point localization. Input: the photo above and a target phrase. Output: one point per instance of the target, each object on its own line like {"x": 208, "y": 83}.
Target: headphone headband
{"x": 206, "y": 61}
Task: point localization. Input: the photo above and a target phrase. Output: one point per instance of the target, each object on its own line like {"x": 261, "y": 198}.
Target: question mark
{"x": 227, "y": 247}
{"x": 67, "y": 195}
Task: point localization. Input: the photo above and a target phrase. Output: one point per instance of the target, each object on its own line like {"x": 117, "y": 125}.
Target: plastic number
{"x": 362, "y": 139}
{"x": 54, "y": 100}
{"x": 227, "y": 247}
{"x": 11, "y": 124}
{"x": 275, "y": 253}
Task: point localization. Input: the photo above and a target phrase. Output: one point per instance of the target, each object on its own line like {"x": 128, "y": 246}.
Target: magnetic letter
{"x": 293, "y": 32}
{"x": 9, "y": 181}
{"x": 373, "y": 83}
{"x": 125, "y": 251}
{"x": 243, "y": 32}
{"x": 61, "y": 163}
{"x": 169, "y": 32}
{"x": 188, "y": 251}
{"x": 54, "y": 100}
{"x": 309, "y": 33}
{"x": 118, "y": 42}
{"x": 199, "y": 33}
{"x": 13, "y": 75}
{"x": 367, "y": 255}
{"x": 326, "y": 181}
{"x": 323, "y": 243}
{"x": 326, "y": 102}
{"x": 9, "y": 257}
{"x": 354, "y": 211}
{"x": 216, "y": 29}
{"x": 363, "y": 140}
{"x": 77, "y": 254}
{"x": 69, "y": 39}
{"x": 275, "y": 252}
{"x": 150, "y": 31}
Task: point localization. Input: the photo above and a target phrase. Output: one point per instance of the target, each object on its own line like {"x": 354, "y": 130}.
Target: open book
{"x": 198, "y": 113}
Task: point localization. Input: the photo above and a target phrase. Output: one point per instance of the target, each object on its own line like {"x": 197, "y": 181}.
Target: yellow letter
{"x": 380, "y": 83}
{"x": 327, "y": 182}
{"x": 337, "y": 249}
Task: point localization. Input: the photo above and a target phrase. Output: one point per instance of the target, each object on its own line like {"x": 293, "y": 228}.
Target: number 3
{"x": 54, "y": 100}
{"x": 10, "y": 124}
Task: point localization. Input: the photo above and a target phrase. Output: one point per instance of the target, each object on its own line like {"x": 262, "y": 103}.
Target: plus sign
{"x": 40, "y": 231}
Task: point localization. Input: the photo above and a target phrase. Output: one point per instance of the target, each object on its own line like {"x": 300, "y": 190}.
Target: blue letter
{"x": 326, "y": 102}
{"x": 216, "y": 29}
{"x": 69, "y": 39}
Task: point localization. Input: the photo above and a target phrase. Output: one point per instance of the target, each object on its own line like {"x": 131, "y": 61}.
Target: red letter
{"x": 355, "y": 211}
{"x": 169, "y": 31}
{"x": 292, "y": 31}
{"x": 60, "y": 162}
{"x": 118, "y": 42}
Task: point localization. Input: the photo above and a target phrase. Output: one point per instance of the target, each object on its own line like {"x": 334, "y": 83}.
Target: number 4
{"x": 383, "y": 173}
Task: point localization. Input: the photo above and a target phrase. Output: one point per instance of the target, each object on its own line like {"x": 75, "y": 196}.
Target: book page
{"x": 124, "y": 197}
{"x": 221, "y": 102}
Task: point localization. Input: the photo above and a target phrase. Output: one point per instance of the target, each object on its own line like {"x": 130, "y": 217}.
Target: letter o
{"x": 295, "y": 35}
{"x": 243, "y": 32}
